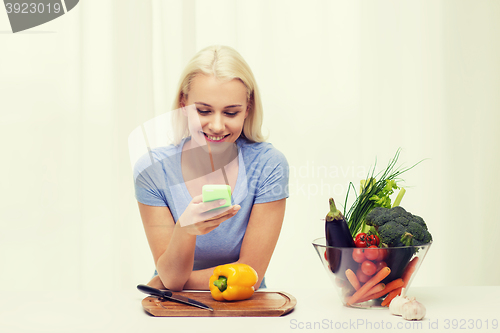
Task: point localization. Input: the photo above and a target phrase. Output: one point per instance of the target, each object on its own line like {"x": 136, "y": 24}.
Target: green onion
{"x": 363, "y": 205}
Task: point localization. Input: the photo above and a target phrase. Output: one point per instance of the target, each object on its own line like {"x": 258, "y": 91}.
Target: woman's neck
{"x": 199, "y": 161}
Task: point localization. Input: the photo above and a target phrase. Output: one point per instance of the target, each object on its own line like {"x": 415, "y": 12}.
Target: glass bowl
{"x": 337, "y": 260}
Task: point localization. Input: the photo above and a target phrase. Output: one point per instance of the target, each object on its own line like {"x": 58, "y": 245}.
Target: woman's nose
{"x": 217, "y": 124}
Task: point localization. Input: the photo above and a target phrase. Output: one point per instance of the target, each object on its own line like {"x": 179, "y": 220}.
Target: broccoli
{"x": 397, "y": 227}
{"x": 416, "y": 230}
{"x": 391, "y": 232}
{"x": 403, "y": 220}
{"x": 397, "y": 211}
{"x": 420, "y": 221}
{"x": 377, "y": 217}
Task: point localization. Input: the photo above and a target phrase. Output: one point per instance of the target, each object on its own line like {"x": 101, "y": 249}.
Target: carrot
{"x": 393, "y": 285}
{"x": 376, "y": 289}
{"x": 391, "y": 296}
{"x": 388, "y": 288}
{"x": 353, "y": 279}
{"x": 382, "y": 274}
{"x": 410, "y": 268}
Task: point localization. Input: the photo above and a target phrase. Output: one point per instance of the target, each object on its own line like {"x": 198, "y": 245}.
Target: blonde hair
{"x": 222, "y": 62}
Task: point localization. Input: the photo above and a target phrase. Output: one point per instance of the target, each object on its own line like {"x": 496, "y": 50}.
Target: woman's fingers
{"x": 209, "y": 225}
{"x": 230, "y": 211}
{"x": 197, "y": 199}
{"x": 203, "y": 217}
{"x": 216, "y": 221}
{"x": 206, "y": 207}
{"x": 199, "y": 211}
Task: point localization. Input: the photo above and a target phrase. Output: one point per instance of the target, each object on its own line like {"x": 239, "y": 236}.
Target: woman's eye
{"x": 231, "y": 114}
{"x": 203, "y": 112}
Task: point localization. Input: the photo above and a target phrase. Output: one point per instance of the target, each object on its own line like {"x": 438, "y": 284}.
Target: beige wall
{"x": 343, "y": 83}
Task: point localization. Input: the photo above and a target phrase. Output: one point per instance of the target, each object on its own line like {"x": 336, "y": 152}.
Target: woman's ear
{"x": 182, "y": 102}
{"x": 249, "y": 106}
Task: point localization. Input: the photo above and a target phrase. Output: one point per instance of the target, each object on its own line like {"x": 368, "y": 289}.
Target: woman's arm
{"x": 173, "y": 246}
{"x": 261, "y": 236}
{"x": 258, "y": 245}
{"x": 159, "y": 227}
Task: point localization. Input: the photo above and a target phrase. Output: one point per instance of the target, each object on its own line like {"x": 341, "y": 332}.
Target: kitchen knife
{"x": 169, "y": 295}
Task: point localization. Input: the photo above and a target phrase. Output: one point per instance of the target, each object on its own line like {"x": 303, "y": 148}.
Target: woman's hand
{"x": 198, "y": 219}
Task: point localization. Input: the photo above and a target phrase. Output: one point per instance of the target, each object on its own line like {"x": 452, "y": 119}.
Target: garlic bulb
{"x": 395, "y": 307}
{"x": 413, "y": 310}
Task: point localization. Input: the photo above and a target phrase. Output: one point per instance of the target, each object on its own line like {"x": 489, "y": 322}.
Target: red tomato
{"x": 362, "y": 277}
{"x": 372, "y": 240}
{"x": 371, "y": 253}
{"x": 382, "y": 254}
{"x": 358, "y": 255}
{"x": 380, "y": 265}
{"x": 368, "y": 267}
{"x": 360, "y": 240}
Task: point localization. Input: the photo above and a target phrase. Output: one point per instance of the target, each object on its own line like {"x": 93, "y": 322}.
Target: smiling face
{"x": 220, "y": 109}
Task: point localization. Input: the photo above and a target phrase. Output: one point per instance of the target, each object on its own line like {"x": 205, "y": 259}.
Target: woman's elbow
{"x": 257, "y": 285}
{"x": 174, "y": 287}
{"x": 158, "y": 283}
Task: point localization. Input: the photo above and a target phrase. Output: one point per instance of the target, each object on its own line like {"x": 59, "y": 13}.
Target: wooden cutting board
{"x": 261, "y": 304}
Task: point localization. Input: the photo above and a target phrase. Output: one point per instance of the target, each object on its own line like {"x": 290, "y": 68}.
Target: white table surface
{"x": 316, "y": 310}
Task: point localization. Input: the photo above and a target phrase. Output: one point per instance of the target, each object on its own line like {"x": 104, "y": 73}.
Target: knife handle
{"x": 153, "y": 291}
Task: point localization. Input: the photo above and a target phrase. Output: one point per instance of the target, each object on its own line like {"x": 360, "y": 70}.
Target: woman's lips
{"x": 215, "y": 138}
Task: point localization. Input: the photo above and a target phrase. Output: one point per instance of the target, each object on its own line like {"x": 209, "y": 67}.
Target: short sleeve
{"x": 150, "y": 181}
{"x": 273, "y": 177}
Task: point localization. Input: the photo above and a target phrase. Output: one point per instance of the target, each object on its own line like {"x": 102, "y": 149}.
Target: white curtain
{"x": 343, "y": 83}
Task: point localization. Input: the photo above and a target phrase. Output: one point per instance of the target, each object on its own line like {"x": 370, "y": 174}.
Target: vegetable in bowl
{"x": 397, "y": 227}
{"x": 387, "y": 239}
{"x": 375, "y": 191}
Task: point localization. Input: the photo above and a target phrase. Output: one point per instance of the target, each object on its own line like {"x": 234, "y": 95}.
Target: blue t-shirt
{"x": 262, "y": 177}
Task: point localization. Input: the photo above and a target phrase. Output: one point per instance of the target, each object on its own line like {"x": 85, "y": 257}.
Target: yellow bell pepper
{"x": 233, "y": 282}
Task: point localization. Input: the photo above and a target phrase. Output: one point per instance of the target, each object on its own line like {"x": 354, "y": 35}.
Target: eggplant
{"x": 338, "y": 235}
{"x": 336, "y": 229}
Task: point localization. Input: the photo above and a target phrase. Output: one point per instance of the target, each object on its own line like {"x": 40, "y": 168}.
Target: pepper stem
{"x": 221, "y": 283}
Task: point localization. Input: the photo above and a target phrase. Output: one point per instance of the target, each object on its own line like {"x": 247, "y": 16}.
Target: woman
{"x": 219, "y": 125}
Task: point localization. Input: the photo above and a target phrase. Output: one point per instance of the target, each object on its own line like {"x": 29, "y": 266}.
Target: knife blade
{"x": 171, "y": 296}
